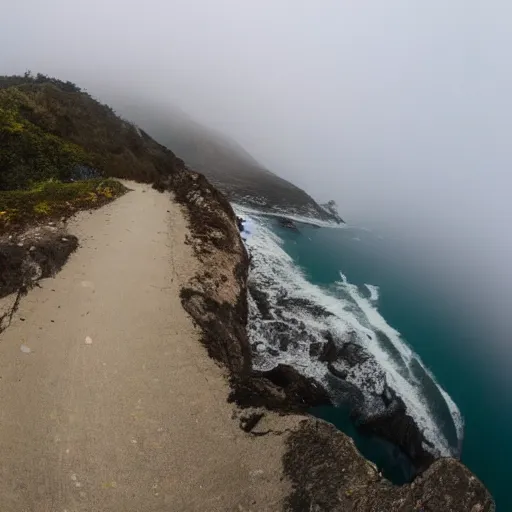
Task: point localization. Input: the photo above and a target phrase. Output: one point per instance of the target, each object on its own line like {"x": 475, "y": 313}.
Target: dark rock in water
{"x": 282, "y": 388}
{"x": 344, "y": 393}
{"x": 283, "y": 334}
{"x": 329, "y": 351}
{"x": 347, "y": 351}
{"x": 356, "y": 379}
{"x": 300, "y": 303}
{"x": 284, "y": 343}
{"x": 261, "y": 300}
{"x": 289, "y": 224}
{"x": 341, "y": 374}
{"x": 315, "y": 349}
{"x": 353, "y": 354}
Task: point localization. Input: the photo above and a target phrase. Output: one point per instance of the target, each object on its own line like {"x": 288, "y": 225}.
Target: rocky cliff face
{"x": 325, "y": 469}
{"x": 329, "y": 474}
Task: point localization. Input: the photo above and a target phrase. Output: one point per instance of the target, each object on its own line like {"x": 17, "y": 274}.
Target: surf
{"x": 309, "y": 311}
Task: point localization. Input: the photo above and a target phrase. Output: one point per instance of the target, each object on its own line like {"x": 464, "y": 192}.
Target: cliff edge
{"x": 326, "y": 471}
{"x": 322, "y": 469}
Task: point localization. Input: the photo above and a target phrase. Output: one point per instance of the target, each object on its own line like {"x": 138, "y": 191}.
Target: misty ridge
{"x": 224, "y": 162}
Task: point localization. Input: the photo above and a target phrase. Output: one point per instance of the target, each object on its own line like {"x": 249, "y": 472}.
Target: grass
{"x": 53, "y": 199}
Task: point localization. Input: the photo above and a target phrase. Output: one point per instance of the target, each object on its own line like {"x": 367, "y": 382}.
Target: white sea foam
{"x": 405, "y": 385}
{"x": 274, "y": 271}
{"x": 374, "y": 292}
{"x": 246, "y": 211}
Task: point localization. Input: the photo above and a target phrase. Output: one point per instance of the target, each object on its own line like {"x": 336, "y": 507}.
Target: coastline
{"x": 325, "y": 469}
{"x": 308, "y": 464}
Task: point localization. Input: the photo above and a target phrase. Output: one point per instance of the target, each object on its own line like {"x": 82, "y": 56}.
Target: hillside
{"x": 50, "y": 129}
{"x": 225, "y": 163}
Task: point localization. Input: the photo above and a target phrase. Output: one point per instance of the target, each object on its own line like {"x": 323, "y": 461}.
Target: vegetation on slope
{"x": 59, "y": 146}
{"x": 50, "y": 129}
{"x": 53, "y": 199}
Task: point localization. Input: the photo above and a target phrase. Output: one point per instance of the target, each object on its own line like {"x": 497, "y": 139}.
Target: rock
{"x": 355, "y": 378}
{"x": 341, "y": 374}
{"x": 282, "y": 388}
{"x": 289, "y": 224}
{"x": 261, "y": 300}
{"x": 398, "y": 427}
{"x": 247, "y": 423}
{"x": 353, "y": 354}
{"x": 300, "y": 303}
{"x": 327, "y": 473}
{"x": 88, "y": 340}
{"x": 315, "y": 349}
{"x": 25, "y": 349}
{"x": 330, "y": 350}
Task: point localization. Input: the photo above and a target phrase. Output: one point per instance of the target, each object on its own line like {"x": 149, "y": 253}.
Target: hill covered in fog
{"x": 225, "y": 163}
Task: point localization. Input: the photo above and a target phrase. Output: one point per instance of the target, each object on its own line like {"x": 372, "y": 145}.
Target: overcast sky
{"x": 400, "y": 110}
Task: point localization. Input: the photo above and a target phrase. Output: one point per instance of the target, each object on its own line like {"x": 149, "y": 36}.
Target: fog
{"x": 400, "y": 111}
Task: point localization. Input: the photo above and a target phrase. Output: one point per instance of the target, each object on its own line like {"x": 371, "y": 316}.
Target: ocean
{"x": 416, "y": 338}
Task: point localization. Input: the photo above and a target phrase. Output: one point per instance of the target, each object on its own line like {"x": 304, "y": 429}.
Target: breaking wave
{"x": 302, "y": 314}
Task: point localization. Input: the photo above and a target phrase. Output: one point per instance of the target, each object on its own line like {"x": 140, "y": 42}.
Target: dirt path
{"x": 137, "y": 420}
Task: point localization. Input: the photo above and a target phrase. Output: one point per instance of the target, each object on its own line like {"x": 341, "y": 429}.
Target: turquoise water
{"x": 436, "y": 326}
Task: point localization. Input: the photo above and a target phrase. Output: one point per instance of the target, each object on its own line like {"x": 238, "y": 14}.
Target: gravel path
{"x": 108, "y": 402}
